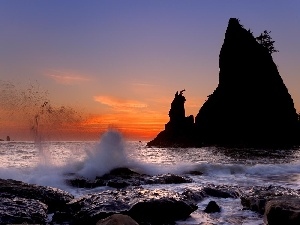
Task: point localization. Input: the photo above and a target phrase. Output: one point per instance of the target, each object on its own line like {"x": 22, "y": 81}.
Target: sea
{"x": 47, "y": 162}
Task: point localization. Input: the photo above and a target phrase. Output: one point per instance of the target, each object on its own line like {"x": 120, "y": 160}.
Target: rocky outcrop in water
{"x": 26, "y": 203}
{"x": 54, "y": 198}
{"x": 210, "y": 190}
{"x": 250, "y": 107}
{"x": 21, "y": 210}
{"x": 124, "y": 177}
{"x": 179, "y": 131}
{"x": 212, "y": 207}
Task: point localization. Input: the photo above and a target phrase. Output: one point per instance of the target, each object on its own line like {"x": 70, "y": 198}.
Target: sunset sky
{"x": 71, "y": 69}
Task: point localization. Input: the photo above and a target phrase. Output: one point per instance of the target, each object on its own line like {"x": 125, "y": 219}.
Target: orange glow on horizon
{"x": 28, "y": 112}
{"x": 133, "y": 126}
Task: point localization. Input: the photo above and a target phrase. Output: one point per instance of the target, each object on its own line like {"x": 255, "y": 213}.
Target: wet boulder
{"x": 220, "y": 192}
{"x": 122, "y": 177}
{"x": 212, "y": 207}
{"x": 81, "y": 182}
{"x": 21, "y": 210}
{"x": 283, "y": 210}
{"x": 257, "y": 198}
{"x": 168, "y": 179}
{"x": 194, "y": 195}
{"x": 195, "y": 172}
{"x": 122, "y": 172}
{"x": 143, "y": 205}
{"x": 125, "y": 177}
{"x": 117, "y": 219}
{"x": 116, "y": 178}
{"x": 211, "y": 190}
{"x": 54, "y": 198}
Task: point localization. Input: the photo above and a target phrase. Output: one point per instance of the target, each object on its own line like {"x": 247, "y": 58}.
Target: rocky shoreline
{"x": 128, "y": 200}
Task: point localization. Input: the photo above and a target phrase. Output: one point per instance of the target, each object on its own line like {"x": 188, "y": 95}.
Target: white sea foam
{"x": 111, "y": 152}
{"x": 108, "y": 154}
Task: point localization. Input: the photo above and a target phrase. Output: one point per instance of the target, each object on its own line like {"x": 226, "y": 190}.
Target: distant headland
{"x": 251, "y": 106}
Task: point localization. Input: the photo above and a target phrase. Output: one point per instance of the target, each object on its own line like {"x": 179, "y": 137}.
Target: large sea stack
{"x": 251, "y": 105}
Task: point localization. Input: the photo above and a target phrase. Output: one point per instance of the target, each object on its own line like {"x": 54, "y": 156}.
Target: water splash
{"x": 108, "y": 154}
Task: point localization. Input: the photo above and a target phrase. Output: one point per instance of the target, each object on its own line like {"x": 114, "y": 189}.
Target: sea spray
{"x": 108, "y": 154}
{"x": 29, "y": 108}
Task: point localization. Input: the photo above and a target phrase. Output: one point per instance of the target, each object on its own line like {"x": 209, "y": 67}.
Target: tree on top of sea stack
{"x": 251, "y": 105}
{"x": 266, "y": 40}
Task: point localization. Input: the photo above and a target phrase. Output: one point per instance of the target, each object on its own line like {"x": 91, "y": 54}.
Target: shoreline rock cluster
{"x": 27, "y": 203}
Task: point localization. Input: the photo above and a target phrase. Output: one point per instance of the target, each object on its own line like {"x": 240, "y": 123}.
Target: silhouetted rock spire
{"x": 177, "y": 111}
{"x": 251, "y": 105}
{"x": 179, "y": 130}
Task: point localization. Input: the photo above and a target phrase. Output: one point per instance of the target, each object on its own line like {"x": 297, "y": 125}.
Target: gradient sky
{"x": 118, "y": 64}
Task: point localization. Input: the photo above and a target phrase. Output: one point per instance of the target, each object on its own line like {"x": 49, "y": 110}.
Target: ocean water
{"x": 47, "y": 163}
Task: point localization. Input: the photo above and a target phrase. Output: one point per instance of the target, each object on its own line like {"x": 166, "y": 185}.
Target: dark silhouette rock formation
{"x": 251, "y": 105}
{"x": 179, "y": 131}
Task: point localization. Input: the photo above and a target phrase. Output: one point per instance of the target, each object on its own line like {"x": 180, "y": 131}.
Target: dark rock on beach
{"x": 212, "y": 207}
{"x": 117, "y": 219}
{"x": 220, "y": 192}
{"x": 80, "y": 182}
{"x": 283, "y": 210}
{"x": 210, "y": 190}
{"x": 54, "y": 198}
{"x": 145, "y": 206}
{"x": 121, "y": 178}
{"x": 194, "y": 195}
{"x": 17, "y": 210}
{"x": 257, "y": 198}
{"x": 27, "y": 203}
{"x": 168, "y": 179}
{"x": 124, "y": 177}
